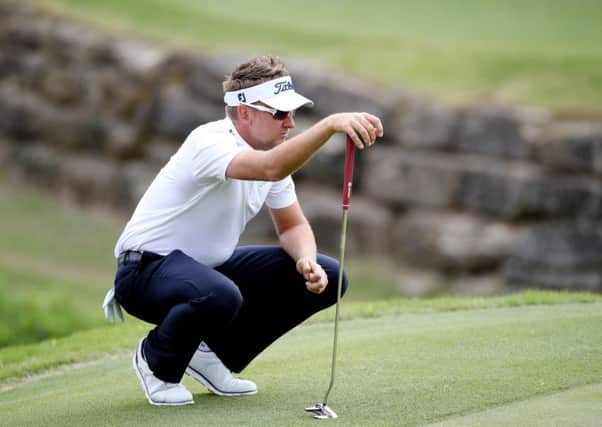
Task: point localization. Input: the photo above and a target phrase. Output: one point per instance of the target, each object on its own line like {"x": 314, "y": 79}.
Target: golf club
{"x": 322, "y": 410}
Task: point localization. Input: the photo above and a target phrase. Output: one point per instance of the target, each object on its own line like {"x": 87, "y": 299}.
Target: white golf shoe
{"x": 158, "y": 392}
{"x": 206, "y": 368}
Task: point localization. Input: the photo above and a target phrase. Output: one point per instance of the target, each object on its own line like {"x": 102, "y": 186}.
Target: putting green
{"x": 578, "y": 407}
{"x": 499, "y": 365}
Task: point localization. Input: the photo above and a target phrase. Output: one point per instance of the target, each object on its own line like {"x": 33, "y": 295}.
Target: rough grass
{"x": 55, "y": 265}
{"x": 43, "y": 234}
{"x": 34, "y": 308}
{"x": 521, "y": 51}
{"x": 394, "y": 370}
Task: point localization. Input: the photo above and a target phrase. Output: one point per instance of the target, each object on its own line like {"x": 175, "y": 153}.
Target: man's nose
{"x": 289, "y": 122}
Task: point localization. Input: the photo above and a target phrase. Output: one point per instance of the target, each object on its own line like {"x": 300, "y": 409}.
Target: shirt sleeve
{"x": 211, "y": 157}
{"x": 282, "y": 194}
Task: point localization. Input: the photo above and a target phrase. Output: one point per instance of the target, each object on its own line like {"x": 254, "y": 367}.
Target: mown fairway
{"x": 525, "y": 51}
{"x": 461, "y": 368}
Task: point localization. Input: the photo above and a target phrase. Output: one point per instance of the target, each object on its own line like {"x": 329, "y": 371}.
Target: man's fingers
{"x": 304, "y": 267}
{"x": 373, "y": 127}
{"x": 360, "y": 137}
{"x": 307, "y": 269}
{"x": 315, "y": 276}
{"x": 355, "y": 137}
{"x": 318, "y": 280}
{"x": 316, "y": 288}
{"x": 376, "y": 124}
{"x": 363, "y": 129}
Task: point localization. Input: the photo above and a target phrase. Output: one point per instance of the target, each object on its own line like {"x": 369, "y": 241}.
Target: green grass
{"x": 53, "y": 282}
{"x": 40, "y": 233}
{"x": 33, "y": 308}
{"x": 577, "y": 407}
{"x": 19, "y": 361}
{"x": 397, "y": 370}
{"x": 56, "y": 263}
{"x": 533, "y": 52}
{"x": 461, "y": 361}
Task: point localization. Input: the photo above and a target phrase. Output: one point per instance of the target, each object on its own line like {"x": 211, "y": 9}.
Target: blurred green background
{"x": 535, "y": 52}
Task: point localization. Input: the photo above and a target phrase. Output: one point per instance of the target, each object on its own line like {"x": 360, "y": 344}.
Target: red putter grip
{"x": 348, "y": 178}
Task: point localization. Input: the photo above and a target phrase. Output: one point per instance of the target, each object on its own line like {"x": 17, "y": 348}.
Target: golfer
{"x": 216, "y": 306}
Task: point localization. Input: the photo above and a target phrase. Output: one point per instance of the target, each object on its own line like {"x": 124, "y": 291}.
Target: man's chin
{"x": 279, "y": 141}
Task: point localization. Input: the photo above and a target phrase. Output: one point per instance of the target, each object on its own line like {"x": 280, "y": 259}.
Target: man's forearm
{"x": 282, "y": 160}
{"x": 286, "y": 158}
{"x": 299, "y": 242}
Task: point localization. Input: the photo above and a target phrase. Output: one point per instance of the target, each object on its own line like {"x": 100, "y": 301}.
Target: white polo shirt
{"x": 191, "y": 205}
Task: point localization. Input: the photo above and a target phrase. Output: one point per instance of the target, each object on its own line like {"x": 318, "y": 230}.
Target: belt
{"x": 129, "y": 256}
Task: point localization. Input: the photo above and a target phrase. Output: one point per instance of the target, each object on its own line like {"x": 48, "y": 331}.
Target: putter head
{"x": 321, "y": 411}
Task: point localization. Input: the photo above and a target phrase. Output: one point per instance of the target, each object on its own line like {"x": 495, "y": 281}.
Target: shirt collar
{"x": 232, "y": 131}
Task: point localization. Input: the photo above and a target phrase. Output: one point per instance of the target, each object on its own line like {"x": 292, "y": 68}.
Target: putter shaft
{"x": 322, "y": 410}
{"x": 336, "y": 313}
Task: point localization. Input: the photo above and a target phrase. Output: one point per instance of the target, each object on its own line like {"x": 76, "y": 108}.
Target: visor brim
{"x": 288, "y": 101}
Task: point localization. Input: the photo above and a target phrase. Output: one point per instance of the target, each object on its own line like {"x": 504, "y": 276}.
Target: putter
{"x": 322, "y": 411}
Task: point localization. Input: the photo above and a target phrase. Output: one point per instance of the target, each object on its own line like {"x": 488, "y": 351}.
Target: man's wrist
{"x": 306, "y": 257}
{"x": 300, "y": 264}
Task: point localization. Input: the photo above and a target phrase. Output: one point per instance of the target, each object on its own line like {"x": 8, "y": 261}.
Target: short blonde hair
{"x": 250, "y": 73}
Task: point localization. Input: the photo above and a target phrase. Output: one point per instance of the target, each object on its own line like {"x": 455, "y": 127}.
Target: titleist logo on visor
{"x": 282, "y": 87}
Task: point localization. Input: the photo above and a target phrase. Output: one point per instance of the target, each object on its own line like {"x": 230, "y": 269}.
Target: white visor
{"x": 278, "y": 93}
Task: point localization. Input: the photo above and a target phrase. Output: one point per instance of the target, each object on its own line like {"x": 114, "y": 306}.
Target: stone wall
{"x": 487, "y": 193}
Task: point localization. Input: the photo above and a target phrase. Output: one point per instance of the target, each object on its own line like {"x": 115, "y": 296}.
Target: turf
{"x": 19, "y": 361}
{"x": 524, "y": 51}
{"x": 403, "y": 369}
{"x": 577, "y": 407}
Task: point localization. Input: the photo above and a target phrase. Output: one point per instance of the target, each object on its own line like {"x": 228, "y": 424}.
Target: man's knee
{"x": 221, "y": 304}
{"x": 225, "y": 302}
{"x": 331, "y": 267}
{"x": 345, "y": 283}
{"x": 334, "y": 279}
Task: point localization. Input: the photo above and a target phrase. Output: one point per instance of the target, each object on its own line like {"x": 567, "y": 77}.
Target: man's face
{"x": 268, "y": 132}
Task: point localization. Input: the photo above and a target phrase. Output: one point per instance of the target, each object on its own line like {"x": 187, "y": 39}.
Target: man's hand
{"x": 315, "y": 276}
{"x": 363, "y": 128}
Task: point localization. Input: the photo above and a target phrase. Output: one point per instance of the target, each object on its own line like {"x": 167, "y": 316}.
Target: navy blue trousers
{"x": 238, "y": 308}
